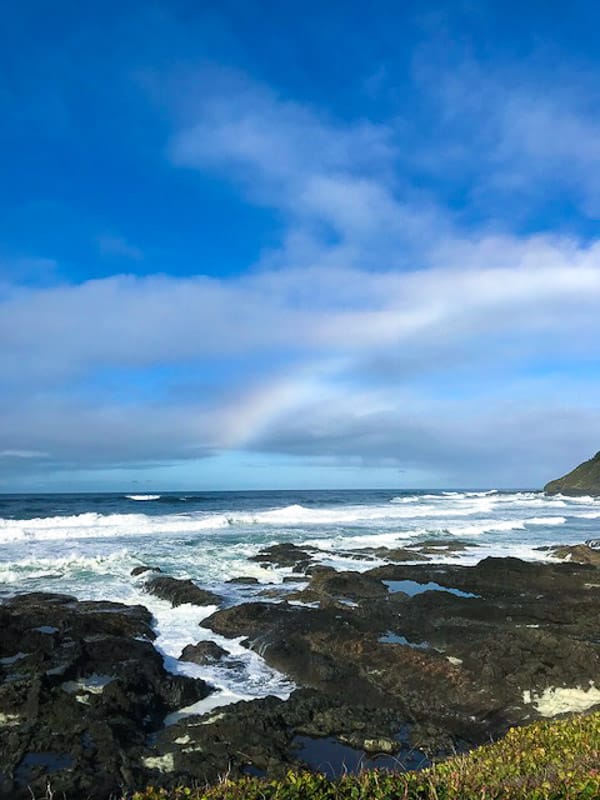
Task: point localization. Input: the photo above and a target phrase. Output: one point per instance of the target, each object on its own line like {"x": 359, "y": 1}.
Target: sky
{"x": 253, "y": 244}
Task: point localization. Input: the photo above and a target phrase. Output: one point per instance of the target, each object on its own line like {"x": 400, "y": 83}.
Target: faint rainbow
{"x": 247, "y": 420}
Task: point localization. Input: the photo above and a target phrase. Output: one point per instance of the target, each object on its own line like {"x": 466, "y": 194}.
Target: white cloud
{"x": 527, "y": 302}
{"x": 538, "y": 286}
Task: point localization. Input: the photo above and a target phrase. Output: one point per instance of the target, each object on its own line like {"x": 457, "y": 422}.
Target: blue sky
{"x": 259, "y": 244}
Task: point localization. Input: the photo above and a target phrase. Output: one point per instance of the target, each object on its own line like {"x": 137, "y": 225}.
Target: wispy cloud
{"x": 517, "y": 135}
{"x": 118, "y": 246}
{"x": 329, "y": 179}
{"x": 22, "y": 454}
{"x": 27, "y": 270}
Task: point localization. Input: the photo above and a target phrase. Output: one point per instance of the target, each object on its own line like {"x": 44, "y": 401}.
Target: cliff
{"x": 584, "y": 479}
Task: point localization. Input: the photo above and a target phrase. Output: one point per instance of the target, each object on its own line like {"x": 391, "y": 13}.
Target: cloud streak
{"x": 22, "y": 454}
{"x": 110, "y": 245}
{"x": 542, "y": 286}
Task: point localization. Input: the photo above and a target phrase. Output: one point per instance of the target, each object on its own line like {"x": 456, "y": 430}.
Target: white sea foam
{"x": 100, "y": 526}
{"x": 487, "y": 526}
{"x": 251, "y": 678}
{"x": 560, "y": 700}
{"x": 93, "y": 525}
{"x": 299, "y": 515}
{"x": 401, "y": 511}
{"x": 116, "y": 562}
{"x": 218, "y": 699}
{"x": 500, "y": 525}
{"x": 143, "y": 496}
{"x": 579, "y": 500}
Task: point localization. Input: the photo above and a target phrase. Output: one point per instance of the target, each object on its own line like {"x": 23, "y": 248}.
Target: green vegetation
{"x": 544, "y": 761}
{"x": 583, "y": 480}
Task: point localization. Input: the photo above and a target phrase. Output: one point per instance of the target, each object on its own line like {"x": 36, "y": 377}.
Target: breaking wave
{"x": 444, "y": 512}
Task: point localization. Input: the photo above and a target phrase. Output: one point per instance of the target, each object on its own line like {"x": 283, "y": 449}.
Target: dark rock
{"x": 177, "y": 591}
{"x": 418, "y": 551}
{"x": 578, "y": 553}
{"x": 462, "y": 667}
{"x": 262, "y": 735}
{"x": 140, "y": 570}
{"x": 398, "y": 554}
{"x": 334, "y": 652}
{"x": 326, "y": 584}
{"x": 274, "y": 591}
{"x": 244, "y": 579}
{"x": 283, "y": 555}
{"x": 495, "y": 577}
{"x": 437, "y": 546}
{"x": 433, "y": 671}
{"x": 203, "y": 653}
{"x": 593, "y": 543}
{"x": 583, "y": 480}
{"x": 81, "y": 687}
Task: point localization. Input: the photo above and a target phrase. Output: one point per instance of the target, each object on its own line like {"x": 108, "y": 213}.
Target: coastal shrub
{"x": 557, "y": 760}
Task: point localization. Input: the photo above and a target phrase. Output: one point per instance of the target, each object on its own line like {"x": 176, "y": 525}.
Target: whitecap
{"x": 487, "y": 526}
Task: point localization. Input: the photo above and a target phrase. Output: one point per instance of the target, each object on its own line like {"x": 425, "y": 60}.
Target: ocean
{"x": 88, "y": 544}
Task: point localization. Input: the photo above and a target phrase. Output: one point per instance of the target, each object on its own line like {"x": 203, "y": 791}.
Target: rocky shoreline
{"x": 397, "y": 665}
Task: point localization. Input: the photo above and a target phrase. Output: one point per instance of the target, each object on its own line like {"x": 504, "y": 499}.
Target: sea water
{"x": 87, "y": 545}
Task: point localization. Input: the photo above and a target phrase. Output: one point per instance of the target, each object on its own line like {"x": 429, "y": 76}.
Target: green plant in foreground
{"x": 545, "y": 761}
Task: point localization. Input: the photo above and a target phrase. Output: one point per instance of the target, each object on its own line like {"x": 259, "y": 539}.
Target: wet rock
{"x": 178, "y": 592}
{"x": 274, "y": 592}
{"x": 439, "y": 546}
{"x": 376, "y": 669}
{"x": 81, "y": 686}
{"x": 398, "y": 554}
{"x": 462, "y": 667}
{"x": 336, "y": 757}
{"x": 578, "y": 553}
{"x": 337, "y": 652}
{"x": 262, "y": 735}
{"x": 203, "y": 653}
{"x": 278, "y": 632}
{"x": 244, "y": 580}
{"x": 494, "y": 577}
{"x": 593, "y": 543}
{"x": 380, "y": 745}
{"x": 447, "y": 671}
{"x": 141, "y": 569}
{"x": 285, "y": 554}
{"x": 326, "y": 584}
